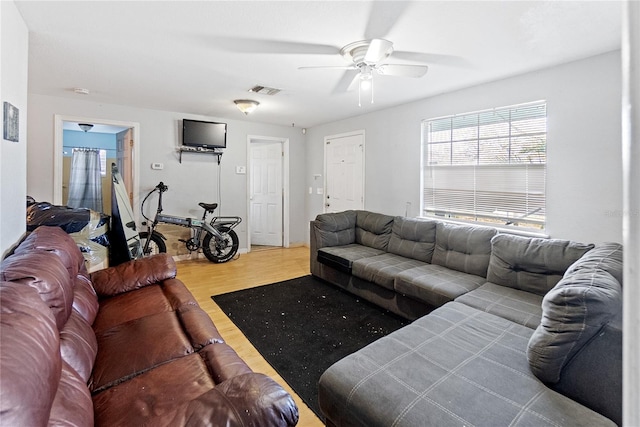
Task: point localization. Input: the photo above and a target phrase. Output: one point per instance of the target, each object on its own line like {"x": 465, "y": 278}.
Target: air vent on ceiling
{"x": 264, "y": 90}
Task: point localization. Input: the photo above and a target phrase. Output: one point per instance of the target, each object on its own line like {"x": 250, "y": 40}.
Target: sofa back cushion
{"x": 45, "y": 272}
{"x": 30, "y": 362}
{"x": 464, "y": 248}
{"x": 373, "y": 229}
{"x": 57, "y": 241}
{"x": 606, "y": 257}
{"x": 78, "y": 345}
{"x": 85, "y": 300}
{"x": 577, "y": 348}
{"x": 531, "y": 264}
{"x": 336, "y": 229}
{"x": 413, "y": 238}
{"x": 587, "y": 298}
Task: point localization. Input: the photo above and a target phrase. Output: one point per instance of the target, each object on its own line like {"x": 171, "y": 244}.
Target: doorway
{"x": 125, "y": 154}
{"x": 344, "y": 172}
{"x": 268, "y": 192}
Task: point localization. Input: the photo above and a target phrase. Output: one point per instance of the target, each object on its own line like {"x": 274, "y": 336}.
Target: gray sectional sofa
{"x": 506, "y": 330}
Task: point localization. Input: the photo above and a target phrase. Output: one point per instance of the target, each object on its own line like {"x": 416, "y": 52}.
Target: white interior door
{"x": 266, "y": 193}
{"x": 344, "y": 172}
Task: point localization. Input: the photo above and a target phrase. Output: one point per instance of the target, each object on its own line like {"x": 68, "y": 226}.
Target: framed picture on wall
{"x": 11, "y": 123}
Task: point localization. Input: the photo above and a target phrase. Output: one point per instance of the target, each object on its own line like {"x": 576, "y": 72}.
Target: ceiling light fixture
{"x": 86, "y": 127}
{"x": 246, "y": 105}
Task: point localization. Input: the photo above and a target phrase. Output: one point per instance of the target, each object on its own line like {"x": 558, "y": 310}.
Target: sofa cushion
{"x": 78, "y": 345}
{"x": 57, "y": 241}
{"x": 85, "y": 300}
{"x": 373, "y": 229}
{"x": 606, "y": 257}
{"x": 531, "y": 264}
{"x": 72, "y": 405}
{"x": 413, "y": 238}
{"x": 30, "y": 362}
{"x": 45, "y": 272}
{"x": 163, "y": 387}
{"x": 574, "y": 312}
{"x": 159, "y": 397}
{"x": 133, "y": 275}
{"x": 130, "y": 306}
{"x": 512, "y": 304}
{"x": 455, "y": 366}
{"x": 383, "y": 269}
{"x": 342, "y": 257}
{"x": 336, "y": 229}
{"x": 435, "y": 284}
{"x": 464, "y": 248}
{"x": 137, "y": 343}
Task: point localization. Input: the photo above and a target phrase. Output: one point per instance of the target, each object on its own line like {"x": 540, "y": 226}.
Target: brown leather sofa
{"x": 127, "y": 345}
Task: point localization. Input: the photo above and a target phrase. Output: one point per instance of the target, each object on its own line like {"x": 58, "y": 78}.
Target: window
{"x": 487, "y": 166}
{"x": 103, "y": 162}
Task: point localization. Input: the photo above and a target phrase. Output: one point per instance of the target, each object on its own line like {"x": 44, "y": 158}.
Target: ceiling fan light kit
{"x": 246, "y": 105}
{"x": 365, "y": 84}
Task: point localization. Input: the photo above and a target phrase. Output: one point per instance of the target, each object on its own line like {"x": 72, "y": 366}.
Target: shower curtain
{"x": 85, "y": 182}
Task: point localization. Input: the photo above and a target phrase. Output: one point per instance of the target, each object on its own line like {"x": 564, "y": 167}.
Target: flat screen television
{"x": 201, "y": 134}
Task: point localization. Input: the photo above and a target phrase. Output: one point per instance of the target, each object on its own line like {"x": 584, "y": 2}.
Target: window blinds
{"x": 487, "y": 165}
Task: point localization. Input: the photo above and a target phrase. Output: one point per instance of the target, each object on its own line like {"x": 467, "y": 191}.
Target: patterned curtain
{"x": 85, "y": 182}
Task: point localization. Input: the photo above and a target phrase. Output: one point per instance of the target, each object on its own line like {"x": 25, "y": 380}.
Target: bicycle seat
{"x": 209, "y": 207}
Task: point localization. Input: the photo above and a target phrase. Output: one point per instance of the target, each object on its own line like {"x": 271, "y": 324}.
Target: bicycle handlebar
{"x": 161, "y": 187}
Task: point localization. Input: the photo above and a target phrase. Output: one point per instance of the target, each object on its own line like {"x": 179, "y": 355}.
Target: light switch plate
{"x": 241, "y": 170}
{"x": 157, "y": 166}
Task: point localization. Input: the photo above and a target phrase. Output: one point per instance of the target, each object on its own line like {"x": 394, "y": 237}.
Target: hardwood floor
{"x": 262, "y": 267}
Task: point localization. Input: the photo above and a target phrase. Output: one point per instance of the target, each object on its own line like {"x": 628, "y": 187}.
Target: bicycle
{"x": 218, "y": 240}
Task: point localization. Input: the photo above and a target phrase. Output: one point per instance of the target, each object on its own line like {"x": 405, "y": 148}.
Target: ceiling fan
{"x": 368, "y": 57}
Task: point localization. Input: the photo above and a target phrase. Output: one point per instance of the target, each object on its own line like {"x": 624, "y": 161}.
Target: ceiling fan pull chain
{"x": 359, "y": 91}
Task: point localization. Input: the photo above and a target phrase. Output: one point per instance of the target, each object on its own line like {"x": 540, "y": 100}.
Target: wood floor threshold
{"x": 256, "y": 268}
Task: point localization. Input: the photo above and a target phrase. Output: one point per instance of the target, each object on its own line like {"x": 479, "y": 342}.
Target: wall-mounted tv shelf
{"x": 194, "y": 150}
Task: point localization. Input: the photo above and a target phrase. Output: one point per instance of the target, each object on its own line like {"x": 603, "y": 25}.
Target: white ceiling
{"x": 197, "y": 57}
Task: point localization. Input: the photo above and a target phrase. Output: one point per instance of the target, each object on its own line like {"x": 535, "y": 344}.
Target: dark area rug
{"x": 302, "y": 326}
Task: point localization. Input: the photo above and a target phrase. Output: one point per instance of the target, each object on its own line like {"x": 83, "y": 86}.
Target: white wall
{"x": 584, "y": 183}
{"x": 192, "y": 181}
{"x": 584, "y": 178}
{"x": 14, "y": 39}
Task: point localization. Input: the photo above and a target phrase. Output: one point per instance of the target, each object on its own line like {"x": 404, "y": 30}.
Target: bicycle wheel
{"x": 223, "y": 250}
{"x": 156, "y": 244}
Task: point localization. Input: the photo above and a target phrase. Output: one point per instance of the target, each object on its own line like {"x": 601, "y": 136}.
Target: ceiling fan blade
{"x": 355, "y": 81}
{"x": 329, "y": 67}
{"x": 378, "y": 50}
{"x": 347, "y": 82}
{"x": 249, "y": 45}
{"x": 403, "y": 70}
{"x": 432, "y": 58}
{"x": 382, "y": 17}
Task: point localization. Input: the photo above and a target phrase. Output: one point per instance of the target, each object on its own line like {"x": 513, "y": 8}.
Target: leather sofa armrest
{"x": 244, "y": 400}
{"x": 133, "y": 275}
